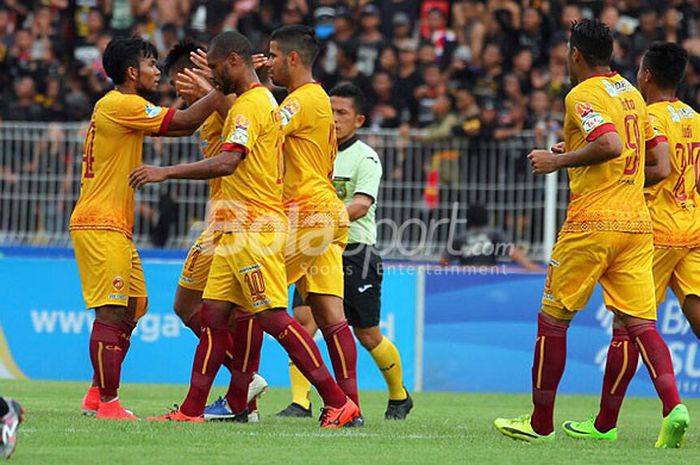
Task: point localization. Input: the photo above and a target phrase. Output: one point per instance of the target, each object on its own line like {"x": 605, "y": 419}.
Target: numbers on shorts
{"x": 689, "y": 155}
{"x": 256, "y": 284}
{"x": 88, "y": 156}
{"x": 633, "y": 142}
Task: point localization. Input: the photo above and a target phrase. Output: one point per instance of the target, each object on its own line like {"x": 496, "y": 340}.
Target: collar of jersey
{"x": 348, "y": 143}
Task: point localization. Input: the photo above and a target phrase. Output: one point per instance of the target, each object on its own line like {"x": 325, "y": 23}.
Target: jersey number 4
{"x": 88, "y": 147}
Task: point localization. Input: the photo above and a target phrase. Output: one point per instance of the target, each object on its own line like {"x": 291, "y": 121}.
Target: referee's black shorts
{"x": 363, "y": 286}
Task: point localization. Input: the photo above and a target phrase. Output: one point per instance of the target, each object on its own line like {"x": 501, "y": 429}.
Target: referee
{"x": 357, "y": 174}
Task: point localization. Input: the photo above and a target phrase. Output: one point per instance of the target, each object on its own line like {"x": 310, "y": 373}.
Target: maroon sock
{"x": 657, "y": 358}
{"x": 128, "y": 326}
{"x": 247, "y": 342}
{"x": 619, "y": 370}
{"x": 343, "y": 353}
{"x": 547, "y": 370}
{"x": 195, "y": 322}
{"x": 304, "y": 353}
{"x": 207, "y": 360}
{"x": 106, "y": 356}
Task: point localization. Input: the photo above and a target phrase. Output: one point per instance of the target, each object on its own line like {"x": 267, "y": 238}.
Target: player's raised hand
{"x": 199, "y": 58}
{"x": 542, "y": 161}
{"x": 146, "y": 174}
{"x": 193, "y": 84}
{"x": 260, "y": 60}
{"x": 558, "y": 148}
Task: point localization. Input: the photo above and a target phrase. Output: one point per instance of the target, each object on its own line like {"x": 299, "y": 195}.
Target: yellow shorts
{"x": 110, "y": 268}
{"x": 620, "y": 261}
{"x": 198, "y": 262}
{"x": 314, "y": 260}
{"x": 678, "y": 268}
{"x": 248, "y": 271}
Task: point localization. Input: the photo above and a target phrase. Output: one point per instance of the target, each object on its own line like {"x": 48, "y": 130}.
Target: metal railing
{"x": 427, "y": 186}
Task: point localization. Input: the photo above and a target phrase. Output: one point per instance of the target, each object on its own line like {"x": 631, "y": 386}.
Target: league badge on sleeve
{"x": 152, "y": 110}
{"x": 289, "y": 109}
{"x": 240, "y": 131}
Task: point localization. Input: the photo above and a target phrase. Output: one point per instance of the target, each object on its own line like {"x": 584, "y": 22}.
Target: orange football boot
{"x": 339, "y": 417}
{"x": 113, "y": 410}
{"x": 177, "y": 415}
{"x": 91, "y": 401}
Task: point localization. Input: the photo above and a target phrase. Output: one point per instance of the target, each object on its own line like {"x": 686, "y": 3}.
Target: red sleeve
{"x": 233, "y": 147}
{"x": 165, "y": 125}
{"x": 650, "y": 144}
{"x": 600, "y": 130}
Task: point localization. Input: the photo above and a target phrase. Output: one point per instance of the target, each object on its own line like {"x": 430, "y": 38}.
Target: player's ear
{"x": 293, "y": 58}
{"x": 132, "y": 73}
{"x": 360, "y": 121}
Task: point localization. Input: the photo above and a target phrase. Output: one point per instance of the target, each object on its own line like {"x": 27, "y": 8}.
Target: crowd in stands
{"x": 479, "y": 69}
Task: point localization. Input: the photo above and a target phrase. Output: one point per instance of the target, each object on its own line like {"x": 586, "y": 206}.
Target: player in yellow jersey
{"x": 674, "y": 203}
{"x": 102, "y": 221}
{"x": 193, "y": 278}
{"x": 318, "y": 220}
{"x": 248, "y": 270}
{"x": 606, "y": 238}
{"x": 672, "y": 199}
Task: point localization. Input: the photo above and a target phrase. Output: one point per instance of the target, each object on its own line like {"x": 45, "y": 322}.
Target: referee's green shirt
{"x": 358, "y": 170}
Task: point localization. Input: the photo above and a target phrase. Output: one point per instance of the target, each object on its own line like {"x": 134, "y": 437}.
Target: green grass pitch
{"x": 444, "y": 428}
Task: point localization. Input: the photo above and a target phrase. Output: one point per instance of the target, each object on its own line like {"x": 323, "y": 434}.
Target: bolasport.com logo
{"x": 682, "y": 343}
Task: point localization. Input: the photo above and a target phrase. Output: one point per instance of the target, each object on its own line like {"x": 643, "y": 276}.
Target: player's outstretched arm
{"x": 657, "y": 164}
{"x": 223, "y": 164}
{"x": 602, "y": 149}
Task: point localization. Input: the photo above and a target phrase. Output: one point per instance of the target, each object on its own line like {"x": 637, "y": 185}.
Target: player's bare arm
{"x": 657, "y": 165}
{"x": 224, "y": 164}
{"x": 604, "y": 148}
{"x": 193, "y": 117}
{"x": 359, "y": 206}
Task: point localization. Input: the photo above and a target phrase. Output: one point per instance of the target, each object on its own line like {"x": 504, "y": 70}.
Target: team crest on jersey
{"x": 118, "y": 283}
{"x": 152, "y": 110}
{"x": 289, "y": 109}
{"x": 341, "y": 187}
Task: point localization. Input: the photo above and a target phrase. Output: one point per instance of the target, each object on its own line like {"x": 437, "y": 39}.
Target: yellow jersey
{"x": 673, "y": 202}
{"x": 211, "y": 142}
{"x": 112, "y": 149}
{"x": 310, "y": 148}
{"x": 608, "y": 196}
{"x": 251, "y": 197}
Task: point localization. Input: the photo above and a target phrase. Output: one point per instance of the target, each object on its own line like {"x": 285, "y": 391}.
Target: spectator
{"x": 470, "y": 29}
{"x": 24, "y": 107}
{"x": 433, "y": 87}
{"x": 534, "y": 36}
{"x": 488, "y": 80}
{"x": 646, "y": 33}
{"x": 443, "y": 39}
{"x": 444, "y": 120}
{"x": 371, "y": 41}
{"x": 402, "y": 32}
{"x": 388, "y": 61}
{"x": 382, "y": 103}
{"x": 468, "y": 114}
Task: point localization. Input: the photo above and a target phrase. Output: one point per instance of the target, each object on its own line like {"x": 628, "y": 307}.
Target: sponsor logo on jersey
{"x": 240, "y": 130}
{"x": 615, "y": 88}
{"x": 591, "y": 122}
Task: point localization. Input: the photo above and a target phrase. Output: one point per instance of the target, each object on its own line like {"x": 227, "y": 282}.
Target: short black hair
{"x": 666, "y": 61}
{"x": 230, "y": 42}
{"x": 594, "y": 40}
{"x": 122, "y": 53}
{"x": 178, "y": 57}
{"x": 300, "y": 39}
{"x": 351, "y": 91}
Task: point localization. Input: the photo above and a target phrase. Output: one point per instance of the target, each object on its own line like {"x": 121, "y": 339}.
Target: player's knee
{"x": 691, "y": 309}
{"x": 369, "y": 338}
{"x": 557, "y": 316}
{"x": 215, "y": 316}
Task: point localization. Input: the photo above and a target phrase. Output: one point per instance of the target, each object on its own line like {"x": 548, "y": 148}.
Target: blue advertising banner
{"x": 480, "y": 333}
{"x": 44, "y": 329}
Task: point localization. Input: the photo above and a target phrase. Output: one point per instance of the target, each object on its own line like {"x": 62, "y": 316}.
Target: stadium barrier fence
{"x": 427, "y": 186}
